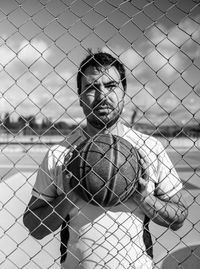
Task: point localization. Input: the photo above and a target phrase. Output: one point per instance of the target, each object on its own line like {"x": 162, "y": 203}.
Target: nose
{"x": 101, "y": 93}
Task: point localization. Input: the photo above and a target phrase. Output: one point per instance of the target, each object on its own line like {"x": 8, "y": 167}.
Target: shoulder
{"x": 147, "y": 146}
{"x": 141, "y": 140}
{"x": 56, "y": 154}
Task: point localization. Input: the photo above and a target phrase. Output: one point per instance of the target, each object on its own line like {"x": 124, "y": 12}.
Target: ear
{"x": 80, "y": 101}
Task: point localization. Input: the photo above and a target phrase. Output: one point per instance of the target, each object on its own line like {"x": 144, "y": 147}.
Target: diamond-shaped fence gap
{"x": 41, "y": 42}
{"x": 117, "y": 19}
{"x": 142, "y": 21}
{"x": 92, "y": 18}
{"x": 18, "y": 17}
{"x": 79, "y": 31}
{"x": 30, "y": 106}
{"x": 94, "y": 41}
{"x": 143, "y": 46}
{"x": 191, "y": 103}
{"x": 130, "y": 31}
{"x": 156, "y": 87}
{"x": 167, "y": 49}
{"x": 155, "y": 60}
{"x": 105, "y": 31}
{"x": 143, "y": 73}
{"x": 180, "y": 88}
{"x": 186, "y": 158}
{"x": 180, "y": 61}
{"x": 21, "y": 96}
{"x": 26, "y": 161}
{"x": 129, "y": 8}
{"x": 31, "y": 7}
{"x": 154, "y": 36}
{"x": 104, "y": 8}
{"x": 194, "y": 11}
{"x": 7, "y": 9}
{"x": 2, "y": 16}
{"x": 14, "y": 257}
{"x": 70, "y": 110}
{"x": 8, "y": 263}
{"x": 56, "y": 8}
{"x": 81, "y": 8}
{"x": 54, "y": 30}
{"x": 187, "y": 7}
{"x": 190, "y": 27}
{"x": 29, "y": 30}
{"x": 151, "y": 10}
{"x": 53, "y": 56}
{"x": 190, "y": 75}
{"x": 27, "y": 82}
{"x": 67, "y": 42}
{"x": 28, "y": 55}
{"x": 122, "y": 44}
{"x": 43, "y": 18}
{"x": 177, "y": 36}
{"x": 53, "y": 106}
{"x": 7, "y": 81}
{"x": 180, "y": 116}
{"x": 16, "y": 69}
{"x": 176, "y": 14}
{"x": 7, "y": 55}
{"x": 72, "y": 62}
{"x": 68, "y": 19}
{"x": 52, "y": 83}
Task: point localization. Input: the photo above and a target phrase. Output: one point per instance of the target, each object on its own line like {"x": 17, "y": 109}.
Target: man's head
{"x": 100, "y": 60}
{"x": 101, "y": 85}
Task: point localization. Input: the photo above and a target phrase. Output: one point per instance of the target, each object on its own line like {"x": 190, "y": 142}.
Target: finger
{"x": 70, "y": 153}
{"x": 68, "y": 175}
{"x": 147, "y": 166}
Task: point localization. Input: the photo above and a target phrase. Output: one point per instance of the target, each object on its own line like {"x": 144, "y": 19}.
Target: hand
{"x": 69, "y": 193}
{"x": 146, "y": 185}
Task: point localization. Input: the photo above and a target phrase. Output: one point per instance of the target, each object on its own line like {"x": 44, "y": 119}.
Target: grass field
{"x": 19, "y": 250}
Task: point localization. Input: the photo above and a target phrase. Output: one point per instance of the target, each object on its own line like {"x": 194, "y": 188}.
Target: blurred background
{"x": 43, "y": 42}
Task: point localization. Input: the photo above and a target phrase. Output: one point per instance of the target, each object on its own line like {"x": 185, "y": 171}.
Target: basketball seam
{"x": 114, "y": 160}
{"x": 85, "y": 162}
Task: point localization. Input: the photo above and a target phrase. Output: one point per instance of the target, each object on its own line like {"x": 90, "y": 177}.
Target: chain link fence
{"x": 42, "y": 43}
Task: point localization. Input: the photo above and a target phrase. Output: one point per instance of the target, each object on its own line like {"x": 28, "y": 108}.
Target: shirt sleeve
{"x": 168, "y": 182}
{"x": 48, "y": 184}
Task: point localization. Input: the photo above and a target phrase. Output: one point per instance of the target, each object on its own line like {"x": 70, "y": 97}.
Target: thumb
{"x": 68, "y": 175}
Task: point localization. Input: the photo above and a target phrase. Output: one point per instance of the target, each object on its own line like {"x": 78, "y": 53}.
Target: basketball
{"x": 105, "y": 170}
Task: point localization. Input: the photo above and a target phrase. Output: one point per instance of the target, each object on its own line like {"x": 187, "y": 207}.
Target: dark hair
{"x": 99, "y": 60}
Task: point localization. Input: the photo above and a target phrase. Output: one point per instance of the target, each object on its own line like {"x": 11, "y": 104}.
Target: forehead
{"x": 104, "y": 74}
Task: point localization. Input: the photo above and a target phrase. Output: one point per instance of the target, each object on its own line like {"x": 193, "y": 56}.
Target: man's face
{"x": 102, "y": 96}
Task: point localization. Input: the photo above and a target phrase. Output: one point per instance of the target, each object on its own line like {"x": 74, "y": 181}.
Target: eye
{"x": 112, "y": 86}
{"x": 89, "y": 89}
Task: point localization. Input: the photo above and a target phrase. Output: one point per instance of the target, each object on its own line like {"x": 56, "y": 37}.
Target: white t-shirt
{"x": 97, "y": 237}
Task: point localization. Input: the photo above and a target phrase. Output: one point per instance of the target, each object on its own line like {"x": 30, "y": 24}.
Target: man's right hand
{"x": 71, "y": 196}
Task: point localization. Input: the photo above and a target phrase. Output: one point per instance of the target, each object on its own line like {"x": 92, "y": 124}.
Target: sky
{"x": 43, "y": 42}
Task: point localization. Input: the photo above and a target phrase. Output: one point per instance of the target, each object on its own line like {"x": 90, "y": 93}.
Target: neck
{"x": 116, "y": 129}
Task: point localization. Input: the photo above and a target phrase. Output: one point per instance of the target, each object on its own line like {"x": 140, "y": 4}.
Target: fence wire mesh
{"x": 42, "y": 43}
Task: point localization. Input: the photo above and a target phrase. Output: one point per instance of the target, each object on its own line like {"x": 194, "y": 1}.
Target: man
{"x": 97, "y": 237}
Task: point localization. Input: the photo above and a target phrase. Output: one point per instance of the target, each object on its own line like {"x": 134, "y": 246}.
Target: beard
{"x": 102, "y": 123}
{"x": 104, "y": 120}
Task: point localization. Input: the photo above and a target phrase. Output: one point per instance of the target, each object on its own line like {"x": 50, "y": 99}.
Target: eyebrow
{"x": 112, "y": 82}
{"x": 107, "y": 84}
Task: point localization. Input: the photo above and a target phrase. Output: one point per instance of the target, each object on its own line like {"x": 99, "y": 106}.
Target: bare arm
{"x": 169, "y": 212}
{"x": 42, "y": 218}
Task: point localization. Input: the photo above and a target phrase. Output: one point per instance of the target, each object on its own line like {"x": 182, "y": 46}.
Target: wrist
{"x": 143, "y": 200}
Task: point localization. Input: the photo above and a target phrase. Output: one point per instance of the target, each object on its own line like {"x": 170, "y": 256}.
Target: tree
{"x": 134, "y": 115}
{"x": 7, "y": 121}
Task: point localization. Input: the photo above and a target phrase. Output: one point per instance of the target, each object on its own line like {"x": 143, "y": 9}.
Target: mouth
{"x": 103, "y": 109}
